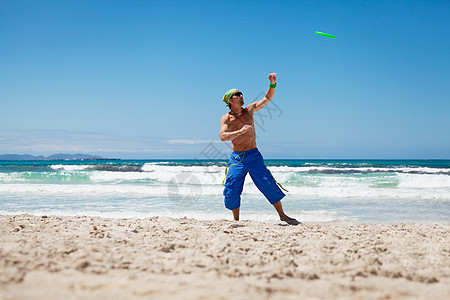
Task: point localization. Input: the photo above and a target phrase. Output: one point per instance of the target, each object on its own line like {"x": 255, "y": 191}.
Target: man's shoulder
{"x": 225, "y": 117}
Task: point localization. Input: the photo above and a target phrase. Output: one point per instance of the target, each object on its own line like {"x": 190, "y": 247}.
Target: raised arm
{"x": 258, "y": 105}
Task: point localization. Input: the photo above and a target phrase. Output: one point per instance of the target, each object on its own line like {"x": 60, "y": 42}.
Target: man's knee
{"x": 232, "y": 203}
{"x": 269, "y": 188}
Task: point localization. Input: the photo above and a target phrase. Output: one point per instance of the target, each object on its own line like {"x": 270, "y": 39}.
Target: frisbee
{"x": 325, "y": 34}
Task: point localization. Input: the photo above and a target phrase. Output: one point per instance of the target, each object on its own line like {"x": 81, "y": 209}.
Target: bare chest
{"x": 236, "y": 122}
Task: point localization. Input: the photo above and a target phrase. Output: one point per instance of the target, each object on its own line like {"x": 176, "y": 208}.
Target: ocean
{"x": 320, "y": 191}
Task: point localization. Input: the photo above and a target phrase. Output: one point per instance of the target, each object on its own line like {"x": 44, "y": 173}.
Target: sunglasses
{"x": 237, "y": 94}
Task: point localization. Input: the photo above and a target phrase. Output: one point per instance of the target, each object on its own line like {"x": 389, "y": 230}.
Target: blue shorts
{"x": 241, "y": 163}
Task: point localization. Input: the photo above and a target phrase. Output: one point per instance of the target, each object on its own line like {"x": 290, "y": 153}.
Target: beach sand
{"x": 52, "y": 257}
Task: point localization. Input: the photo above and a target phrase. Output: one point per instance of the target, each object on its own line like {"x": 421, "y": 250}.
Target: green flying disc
{"x": 325, "y": 34}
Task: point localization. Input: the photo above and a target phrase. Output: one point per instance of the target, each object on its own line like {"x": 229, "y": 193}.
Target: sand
{"x": 52, "y": 257}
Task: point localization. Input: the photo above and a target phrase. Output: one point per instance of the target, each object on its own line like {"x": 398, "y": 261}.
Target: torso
{"x": 246, "y": 141}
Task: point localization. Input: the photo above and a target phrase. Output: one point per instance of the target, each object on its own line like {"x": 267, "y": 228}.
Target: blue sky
{"x": 144, "y": 79}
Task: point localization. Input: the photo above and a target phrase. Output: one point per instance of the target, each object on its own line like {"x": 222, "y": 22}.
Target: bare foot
{"x": 290, "y": 221}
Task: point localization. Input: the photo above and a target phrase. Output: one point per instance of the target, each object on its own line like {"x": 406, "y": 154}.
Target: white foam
{"x": 69, "y": 167}
{"x": 11, "y": 177}
{"x": 358, "y": 169}
{"x": 369, "y": 193}
{"x": 424, "y": 181}
{"x": 81, "y": 189}
{"x": 160, "y": 180}
{"x": 205, "y": 174}
{"x": 410, "y": 187}
{"x": 109, "y": 176}
{"x": 215, "y": 174}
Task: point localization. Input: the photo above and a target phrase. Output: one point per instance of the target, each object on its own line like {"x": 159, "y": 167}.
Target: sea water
{"x": 319, "y": 190}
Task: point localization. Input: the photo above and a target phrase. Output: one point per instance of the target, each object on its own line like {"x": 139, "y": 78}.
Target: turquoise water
{"x": 319, "y": 190}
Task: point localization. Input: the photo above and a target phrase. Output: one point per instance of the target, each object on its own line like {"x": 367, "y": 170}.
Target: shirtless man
{"x": 238, "y": 127}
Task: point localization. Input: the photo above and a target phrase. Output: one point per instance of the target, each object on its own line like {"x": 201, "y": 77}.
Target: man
{"x": 237, "y": 126}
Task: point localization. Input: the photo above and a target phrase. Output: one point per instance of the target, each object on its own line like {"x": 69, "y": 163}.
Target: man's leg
{"x": 283, "y": 216}
{"x": 236, "y": 214}
{"x": 264, "y": 181}
{"x": 234, "y": 185}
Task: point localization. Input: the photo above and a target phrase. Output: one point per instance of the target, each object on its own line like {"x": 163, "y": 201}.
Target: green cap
{"x": 228, "y": 95}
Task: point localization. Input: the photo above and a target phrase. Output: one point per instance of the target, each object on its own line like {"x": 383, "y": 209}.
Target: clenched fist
{"x": 273, "y": 78}
{"x": 246, "y": 128}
